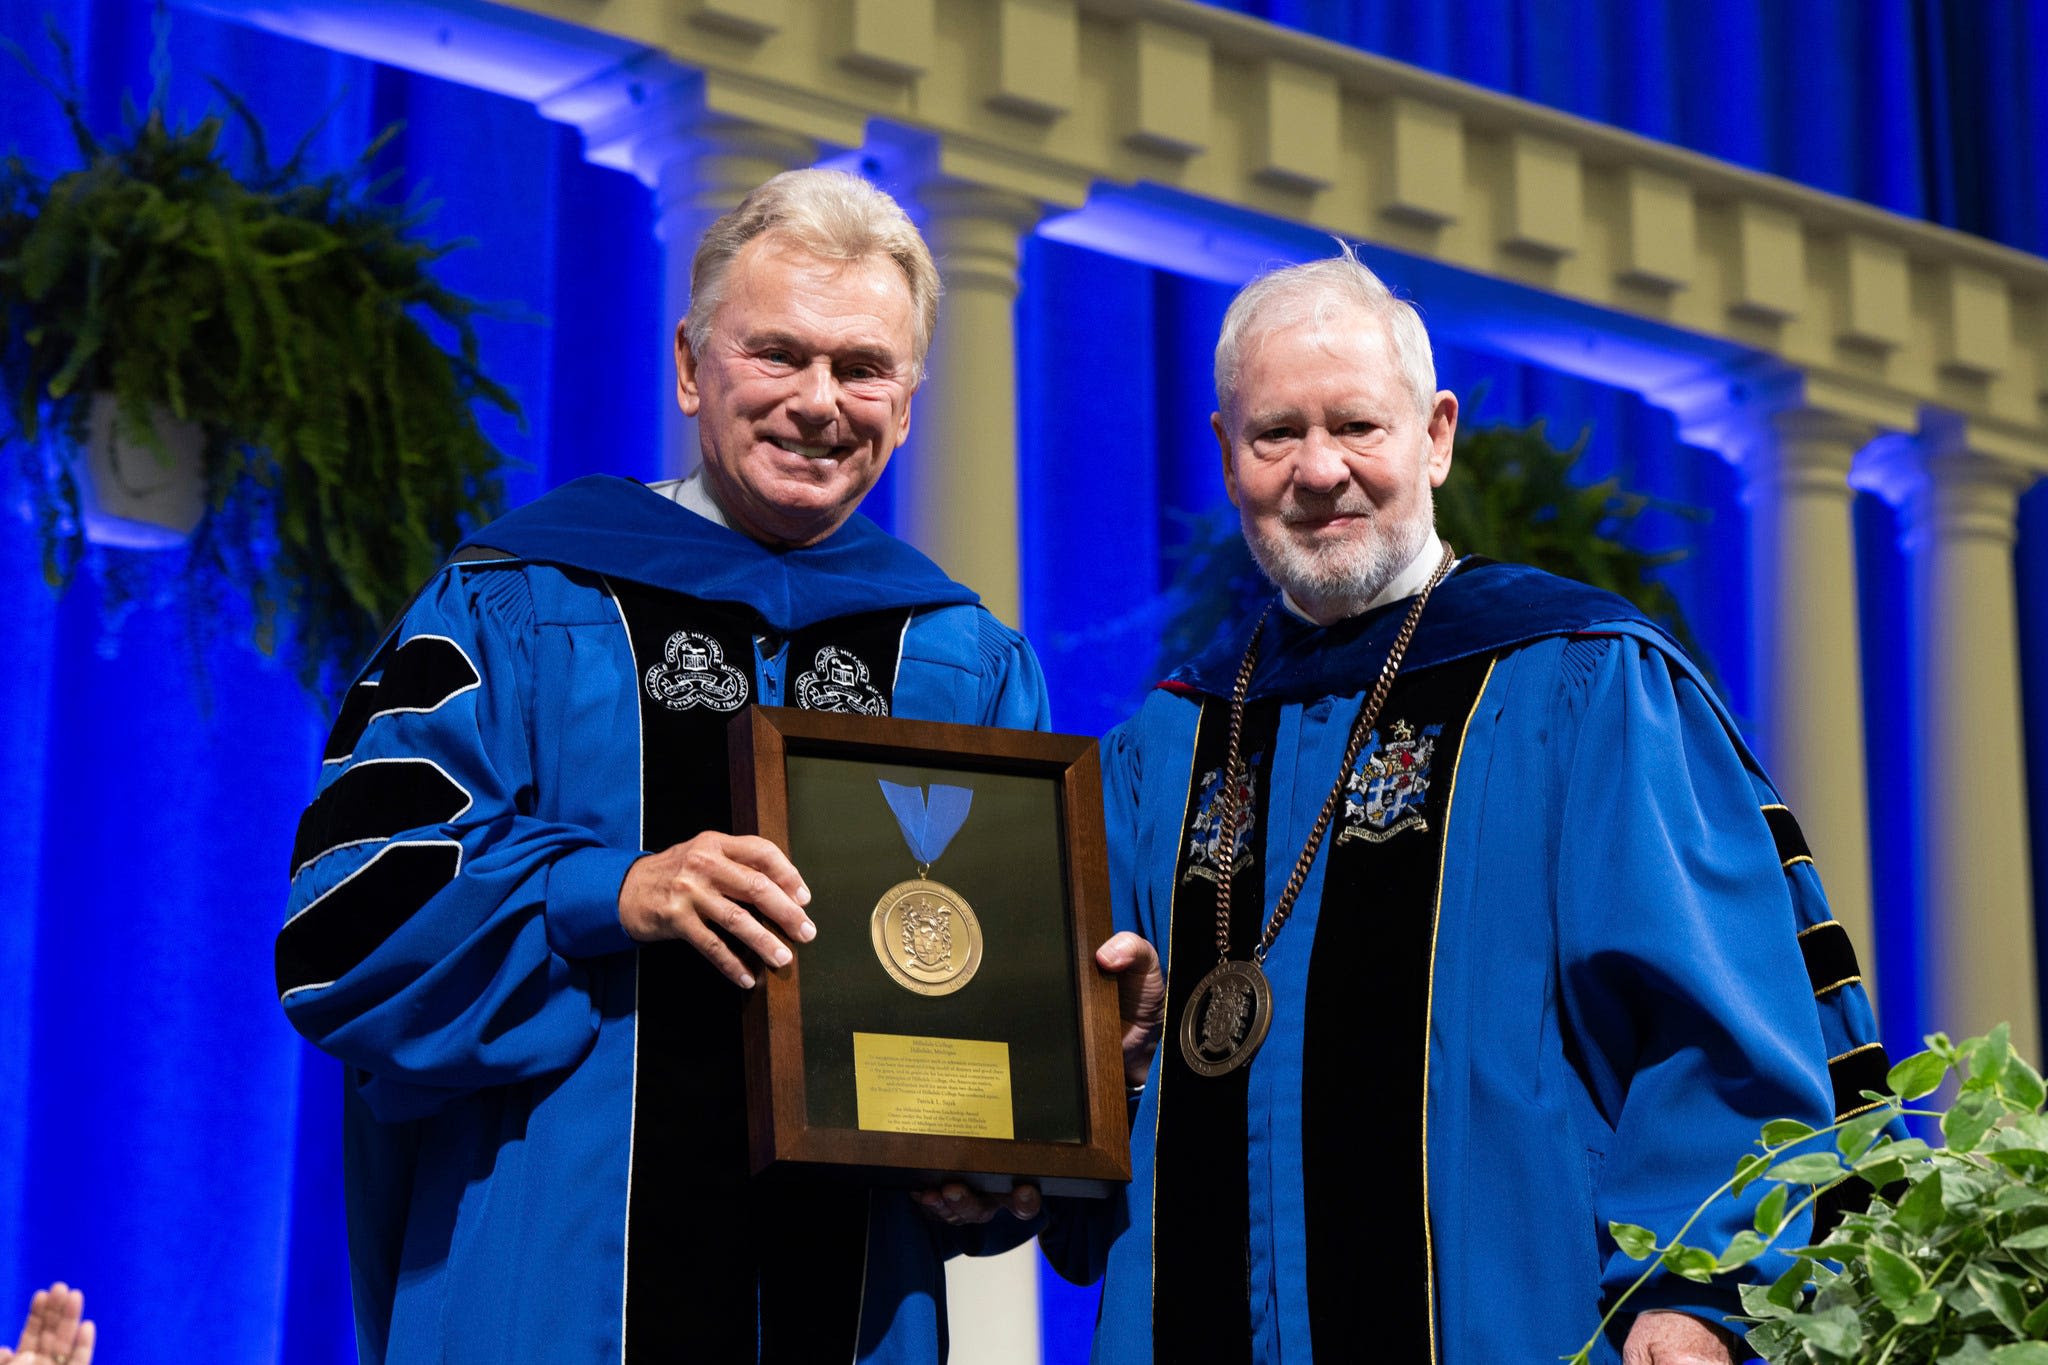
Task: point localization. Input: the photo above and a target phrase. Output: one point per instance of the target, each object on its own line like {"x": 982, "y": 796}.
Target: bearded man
{"x": 1530, "y": 943}
{"x": 517, "y": 915}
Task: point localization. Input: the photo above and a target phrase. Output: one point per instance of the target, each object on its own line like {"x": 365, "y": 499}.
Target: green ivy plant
{"x": 293, "y": 317}
{"x": 1949, "y": 1263}
{"x": 1511, "y": 497}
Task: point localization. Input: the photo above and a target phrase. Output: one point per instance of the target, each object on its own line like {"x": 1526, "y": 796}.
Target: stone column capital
{"x": 1947, "y": 487}
{"x": 977, "y": 232}
{"x": 1780, "y": 426}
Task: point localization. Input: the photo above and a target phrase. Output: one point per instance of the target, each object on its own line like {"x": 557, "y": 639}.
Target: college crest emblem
{"x": 1384, "y": 795}
{"x": 838, "y": 681}
{"x": 693, "y": 672}
{"x": 1207, "y": 858}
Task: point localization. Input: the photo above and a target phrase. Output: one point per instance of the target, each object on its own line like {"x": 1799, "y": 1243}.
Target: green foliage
{"x": 294, "y": 318}
{"x": 1948, "y": 1264}
{"x": 1510, "y": 496}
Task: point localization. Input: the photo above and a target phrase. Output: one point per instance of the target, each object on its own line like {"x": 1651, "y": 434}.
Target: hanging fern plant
{"x": 291, "y": 316}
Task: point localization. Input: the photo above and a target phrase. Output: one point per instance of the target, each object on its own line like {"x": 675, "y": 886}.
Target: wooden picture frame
{"x": 856, "y": 1064}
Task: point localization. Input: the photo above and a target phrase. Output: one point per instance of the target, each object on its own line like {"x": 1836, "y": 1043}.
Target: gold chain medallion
{"x": 927, "y": 937}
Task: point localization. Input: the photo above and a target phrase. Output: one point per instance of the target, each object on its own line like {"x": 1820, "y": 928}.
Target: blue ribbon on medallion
{"x": 928, "y": 823}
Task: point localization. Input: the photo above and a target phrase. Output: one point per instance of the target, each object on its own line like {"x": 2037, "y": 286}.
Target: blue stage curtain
{"x": 169, "y": 1144}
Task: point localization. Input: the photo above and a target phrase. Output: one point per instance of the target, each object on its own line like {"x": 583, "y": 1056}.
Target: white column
{"x": 647, "y": 116}
{"x": 1961, "y": 509}
{"x": 698, "y": 171}
{"x": 957, "y": 495}
{"x": 992, "y": 1307}
{"x": 1806, "y": 644}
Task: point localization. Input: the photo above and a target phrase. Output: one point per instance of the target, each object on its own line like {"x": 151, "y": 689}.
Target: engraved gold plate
{"x": 927, "y": 937}
{"x": 1226, "y": 1018}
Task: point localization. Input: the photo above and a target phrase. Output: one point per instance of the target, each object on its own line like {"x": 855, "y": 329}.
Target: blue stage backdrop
{"x": 172, "y": 1146}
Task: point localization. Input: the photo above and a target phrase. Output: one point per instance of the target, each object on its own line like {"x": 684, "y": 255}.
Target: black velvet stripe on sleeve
{"x": 375, "y": 800}
{"x": 1849, "y": 1075}
{"x": 333, "y": 935}
{"x": 1852, "y": 1073}
{"x": 1785, "y": 830}
{"x": 422, "y": 674}
{"x": 1830, "y": 957}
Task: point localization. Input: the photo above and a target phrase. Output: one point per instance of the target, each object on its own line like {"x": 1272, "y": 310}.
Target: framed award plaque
{"x": 949, "y": 1021}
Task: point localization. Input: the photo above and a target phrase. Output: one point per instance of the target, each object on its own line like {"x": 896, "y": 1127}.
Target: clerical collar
{"x": 695, "y": 494}
{"x": 1406, "y": 583}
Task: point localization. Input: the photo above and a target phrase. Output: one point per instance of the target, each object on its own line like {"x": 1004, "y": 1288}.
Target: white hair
{"x": 830, "y": 214}
{"x": 1320, "y": 292}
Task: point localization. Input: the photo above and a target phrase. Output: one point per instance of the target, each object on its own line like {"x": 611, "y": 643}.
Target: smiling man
{"x": 517, "y": 915}
{"x": 1482, "y": 927}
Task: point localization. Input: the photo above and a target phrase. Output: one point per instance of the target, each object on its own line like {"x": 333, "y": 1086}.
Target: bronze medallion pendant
{"x": 1226, "y": 1018}
{"x": 927, "y": 936}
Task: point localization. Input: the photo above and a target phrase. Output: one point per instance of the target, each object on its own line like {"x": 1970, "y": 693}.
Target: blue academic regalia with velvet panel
{"x": 1617, "y": 997}
{"x": 454, "y": 934}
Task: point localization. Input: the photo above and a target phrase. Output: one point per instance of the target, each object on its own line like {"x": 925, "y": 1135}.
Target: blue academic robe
{"x": 1622, "y": 981}
{"x": 454, "y": 935}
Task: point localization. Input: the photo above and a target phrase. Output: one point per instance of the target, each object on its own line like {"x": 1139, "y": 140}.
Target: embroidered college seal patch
{"x": 1385, "y": 795}
{"x": 1207, "y": 857}
{"x": 839, "y": 681}
{"x": 694, "y": 673}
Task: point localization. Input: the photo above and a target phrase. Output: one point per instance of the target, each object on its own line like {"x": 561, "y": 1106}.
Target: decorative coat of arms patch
{"x": 1207, "y": 857}
{"x": 694, "y": 673}
{"x": 1385, "y": 793}
{"x": 839, "y": 681}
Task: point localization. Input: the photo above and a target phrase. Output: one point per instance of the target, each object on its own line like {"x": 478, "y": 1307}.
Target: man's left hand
{"x": 1660, "y": 1337}
{"x": 964, "y": 1206}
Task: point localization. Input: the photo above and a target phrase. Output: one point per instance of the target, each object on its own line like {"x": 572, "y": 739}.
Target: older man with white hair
{"x": 517, "y": 914}
{"x": 1482, "y": 928}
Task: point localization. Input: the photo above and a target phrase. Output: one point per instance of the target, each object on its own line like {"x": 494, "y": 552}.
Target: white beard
{"x": 1341, "y": 579}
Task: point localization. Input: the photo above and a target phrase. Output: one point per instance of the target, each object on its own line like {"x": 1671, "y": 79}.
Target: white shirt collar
{"x": 1406, "y": 583}
{"x": 695, "y": 494}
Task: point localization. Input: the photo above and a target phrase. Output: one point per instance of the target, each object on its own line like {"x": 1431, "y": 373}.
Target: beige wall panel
{"x": 1295, "y": 146}
{"x": 1875, "y": 311}
{"x": 747, "y": 18}
{"x": 1978, "y": 338}
{"x": 1171, "y": 92}
{"x": 1770, "y": 255}
{"x": 1661, "y": 234}
{"x": 1038, "y": 57}
{"x": 1546, "y": 197}
{"x": 1425, "y": 163}
{"x": 893, "y": 39}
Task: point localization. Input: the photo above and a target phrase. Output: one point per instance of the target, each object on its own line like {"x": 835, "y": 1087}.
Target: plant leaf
{"x": 2001, "y": 1294}
{"x": 2022, "y": 1085}
{"x": 2021, "y": 1353}
{"x": 1920, "y": 1074}
{"x": 1920, "y": 1212}
{"x": 2031, "y": 1238}
{"x": 1969, "y": 1119}
{"x": 1692, "y": 1263}
{"x": 1838, "y": 1331}
{"x": 1778, "y": 1132}
{"x": 1770, "y": 1211}
{"x": 1637, "y": 1243}
{"x": 1814, "y": 1168}
{"x": 1921, "y": 1310}
{"x": 1789, "y": 1288}
{"x": 1897, "y": 1280}
{"x": 1747, "y": 1169}
{"x": 1743, "y": 1248}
